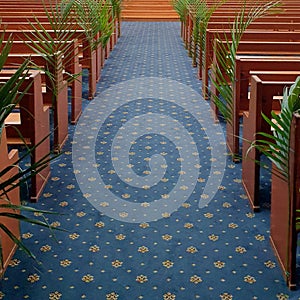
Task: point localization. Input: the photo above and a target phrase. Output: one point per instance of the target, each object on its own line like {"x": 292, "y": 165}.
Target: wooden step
{"x": 147, "y": 7}
{"x": 149, "y": 19}
{"x": 145, "y": 2}
{"x": 151, "y": 13}
{"x": 142, "y": 10}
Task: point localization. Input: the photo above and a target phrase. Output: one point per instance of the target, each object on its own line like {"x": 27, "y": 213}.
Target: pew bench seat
{"x": 32, "y": 122}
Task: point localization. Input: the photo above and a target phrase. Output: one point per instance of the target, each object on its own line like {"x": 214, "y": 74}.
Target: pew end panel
{"x": 244, "y": 64}
{"x": 72, "y": 69}
{"x": 55, "y": 95}
{"x": 32, "y": 121}
{"x": 285, "y": 203}
{"x": 263, "y": 99}
{"x": 8, "y": 158}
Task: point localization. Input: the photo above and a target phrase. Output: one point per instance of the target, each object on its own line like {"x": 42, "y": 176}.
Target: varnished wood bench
{"x": 243, "y": 66}
{"x": 285, "y": 207}
{"x": 32, "y": 121}
{"x": 250, "y": 48}
{"x": 90, "y": 59}
{"x": 224, "y": 16}
{"x": 71, "y": 66}
{"x": 265, "y": 87}
{"x": 249, "y": 35}
{"x": 57, "y": 100}
{"x": 280, "y": 26}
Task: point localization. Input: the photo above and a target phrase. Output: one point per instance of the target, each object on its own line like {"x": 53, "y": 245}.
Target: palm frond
{"x": 201, "y": 13}
{"x": 181, "y": 8}
{"x": 5, "y": 49}
{"x": 116, "y": 8}
{"x": 11, "y": 94}
{"x": 116, "y": 11}
{"x": 276, "y": 146}
{"x": 223, "y": 71}
{"x": 54, "y": 40}
{"x": 24, "y": 174}
{"x": 22, "y": 218}
{"x": 11, "y": 91}
{"x": 16, "y": 241}
{"x": 96, "y": 19}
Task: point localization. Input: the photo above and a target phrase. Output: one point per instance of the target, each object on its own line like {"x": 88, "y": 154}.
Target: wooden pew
{"x": 249, "y": 35}
{"x": 7, "y": 159}
{"x": 32, "y": 121}
{"x": 225, "y": 20}
{"x": 93, "y": 60}
{"x": 88, "y": 57}
{"x": 285, "y": 203}
{"x": 271, "y": 25}
{"x": 58, "y": 100}
{"x": 224, "y": 16}
{"x": 261, "y": 25}
{"x": 265, "y": 86}
{"x": 71, "y": 67}
{"x": 243, "y": 66}
{"x": 250, "y": 48}
{"x": 292, "y": 11}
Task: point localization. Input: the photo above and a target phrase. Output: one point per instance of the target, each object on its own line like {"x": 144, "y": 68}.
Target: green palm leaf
{"x": 116, "y": 10}
{"x": 181, "y": 8}
{"x": 276, "y": 146}
{"x": 61, "y": 22}
{"x": 10, "y": 96}
{"x": 223, "y": 72}
{"x": 97, "y": 20}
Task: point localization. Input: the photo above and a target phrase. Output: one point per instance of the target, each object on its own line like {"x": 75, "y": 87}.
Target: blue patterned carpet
{"x": 154, "y": 207}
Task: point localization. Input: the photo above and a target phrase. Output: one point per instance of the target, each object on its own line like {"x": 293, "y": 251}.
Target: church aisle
{"x": 153, "y": 207}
